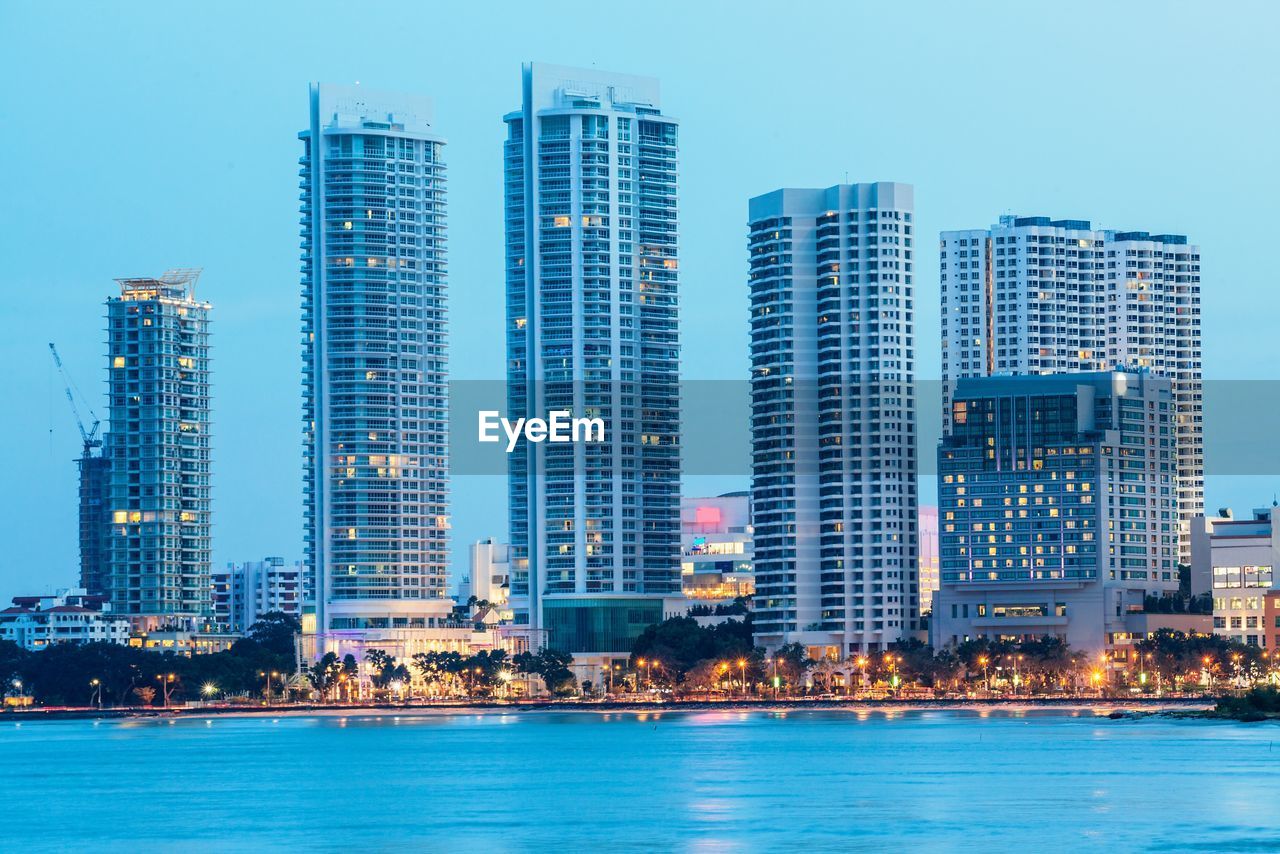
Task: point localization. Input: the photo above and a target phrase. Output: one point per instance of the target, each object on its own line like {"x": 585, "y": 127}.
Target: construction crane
{"x": 90, "y": 435}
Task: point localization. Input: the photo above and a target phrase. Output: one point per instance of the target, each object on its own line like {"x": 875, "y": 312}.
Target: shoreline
{"x": 1102, "y": 707}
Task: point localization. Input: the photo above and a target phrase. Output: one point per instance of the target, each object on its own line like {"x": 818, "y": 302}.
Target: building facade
{"x": 716, "y": 548}
{"x": 158, "y": 549}
{"x": 930, "y": 570}
{"x": 68, "y": 616}
{"x": 1058, "y": 509}
{"x": 95, "y": 519}
{"x": 243, "y": 592}
{"x": 592, "y": 264}
{"x": 1235, "y": 559}
{"x": 833, "y": 417}
{"x": 489, "y": 579}
{"x": 374, "y": 370}
{"x": 1032, "y": 295}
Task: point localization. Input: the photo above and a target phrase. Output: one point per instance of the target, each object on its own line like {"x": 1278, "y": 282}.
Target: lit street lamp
{"x": 266, "y": 678}
{"x": 95, "y": 698}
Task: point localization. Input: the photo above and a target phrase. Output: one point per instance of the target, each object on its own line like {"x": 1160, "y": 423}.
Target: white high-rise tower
{"x": 374, "y": 369}
{"x": 833, "y": 423}
{"x": 1032, "y": 295}
{"x": 592, "y": 261}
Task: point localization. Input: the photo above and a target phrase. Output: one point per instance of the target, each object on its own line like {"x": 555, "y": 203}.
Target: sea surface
{"x": 839, "y": 780}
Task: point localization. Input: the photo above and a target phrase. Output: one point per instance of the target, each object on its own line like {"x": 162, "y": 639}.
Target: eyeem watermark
{"x": 559, "y": 427}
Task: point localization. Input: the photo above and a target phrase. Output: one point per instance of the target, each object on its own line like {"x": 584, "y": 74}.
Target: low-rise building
{"x": 184, "y": 642}
{"x": 716, "y": 548}
{"x": 1235, "y": 559}
{"x": 489, "y": 581}
{"x": 243, "y": 592}
{"x": 70, "y": 615}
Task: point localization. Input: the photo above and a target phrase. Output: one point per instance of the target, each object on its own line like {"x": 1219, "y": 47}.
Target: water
{"x": 699, "y": 781}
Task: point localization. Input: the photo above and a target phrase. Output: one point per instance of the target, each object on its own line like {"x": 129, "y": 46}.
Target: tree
{"x": 678, "y": 644}
{"x": 1179, "y": 656}
{"x": 791, "y": 661}
{"x": 439, "y": 668}
{"x": 274, "y": 633}
{"x": 485, "y": 669}
{"x": 1049, "y": 659}
{"x": 12, "y": 660}
{"x": 325, "y": 674}
{"x": 383, "y": 668}
{"x": 552, "y": 665}
{"x": 146, "y": 694}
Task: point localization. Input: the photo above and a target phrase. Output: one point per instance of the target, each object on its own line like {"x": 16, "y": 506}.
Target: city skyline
{"x": 255, "y": 343}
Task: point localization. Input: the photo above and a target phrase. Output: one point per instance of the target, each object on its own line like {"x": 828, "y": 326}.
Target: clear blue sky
{"x": 138, "y": 137}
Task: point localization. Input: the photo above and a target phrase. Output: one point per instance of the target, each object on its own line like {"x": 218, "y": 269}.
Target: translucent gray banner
{"x": 1240, "y": 426}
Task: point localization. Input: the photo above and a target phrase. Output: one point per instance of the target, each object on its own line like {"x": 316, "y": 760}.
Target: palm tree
{"x": 325, "y": 674}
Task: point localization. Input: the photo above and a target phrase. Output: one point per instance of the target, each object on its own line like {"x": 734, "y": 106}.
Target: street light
{"x": 96, "y": 684}
{"x": 986, "y": 674}
{"x": 266, "y": 678}
{"x": 208, "y": 689}
{"x": 742, "y": 674}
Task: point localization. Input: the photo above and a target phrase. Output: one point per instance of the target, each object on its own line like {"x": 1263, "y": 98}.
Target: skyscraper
{"x": 158, "y": 447}
{"x": 1058, "y": 509}
{"x": 374, "y": 368}
{"x": 592, "y": 260}
{"x": 833, "y": 417}
{"x": 1032, "y": 295}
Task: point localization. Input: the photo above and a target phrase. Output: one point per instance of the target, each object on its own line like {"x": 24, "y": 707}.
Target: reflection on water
{"x": 731, "y": 780}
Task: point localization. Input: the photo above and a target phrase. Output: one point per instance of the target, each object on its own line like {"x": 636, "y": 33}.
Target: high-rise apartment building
{"x": 243, "y": 592}
{"x": 374, "y": 369}
{"x": 833, "y": 417}
{"x": 592, "y": 259}
{"x": 158, "y": 448}
{"x": 1058, "y": 508}
{"x": 1032, "y": 295}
